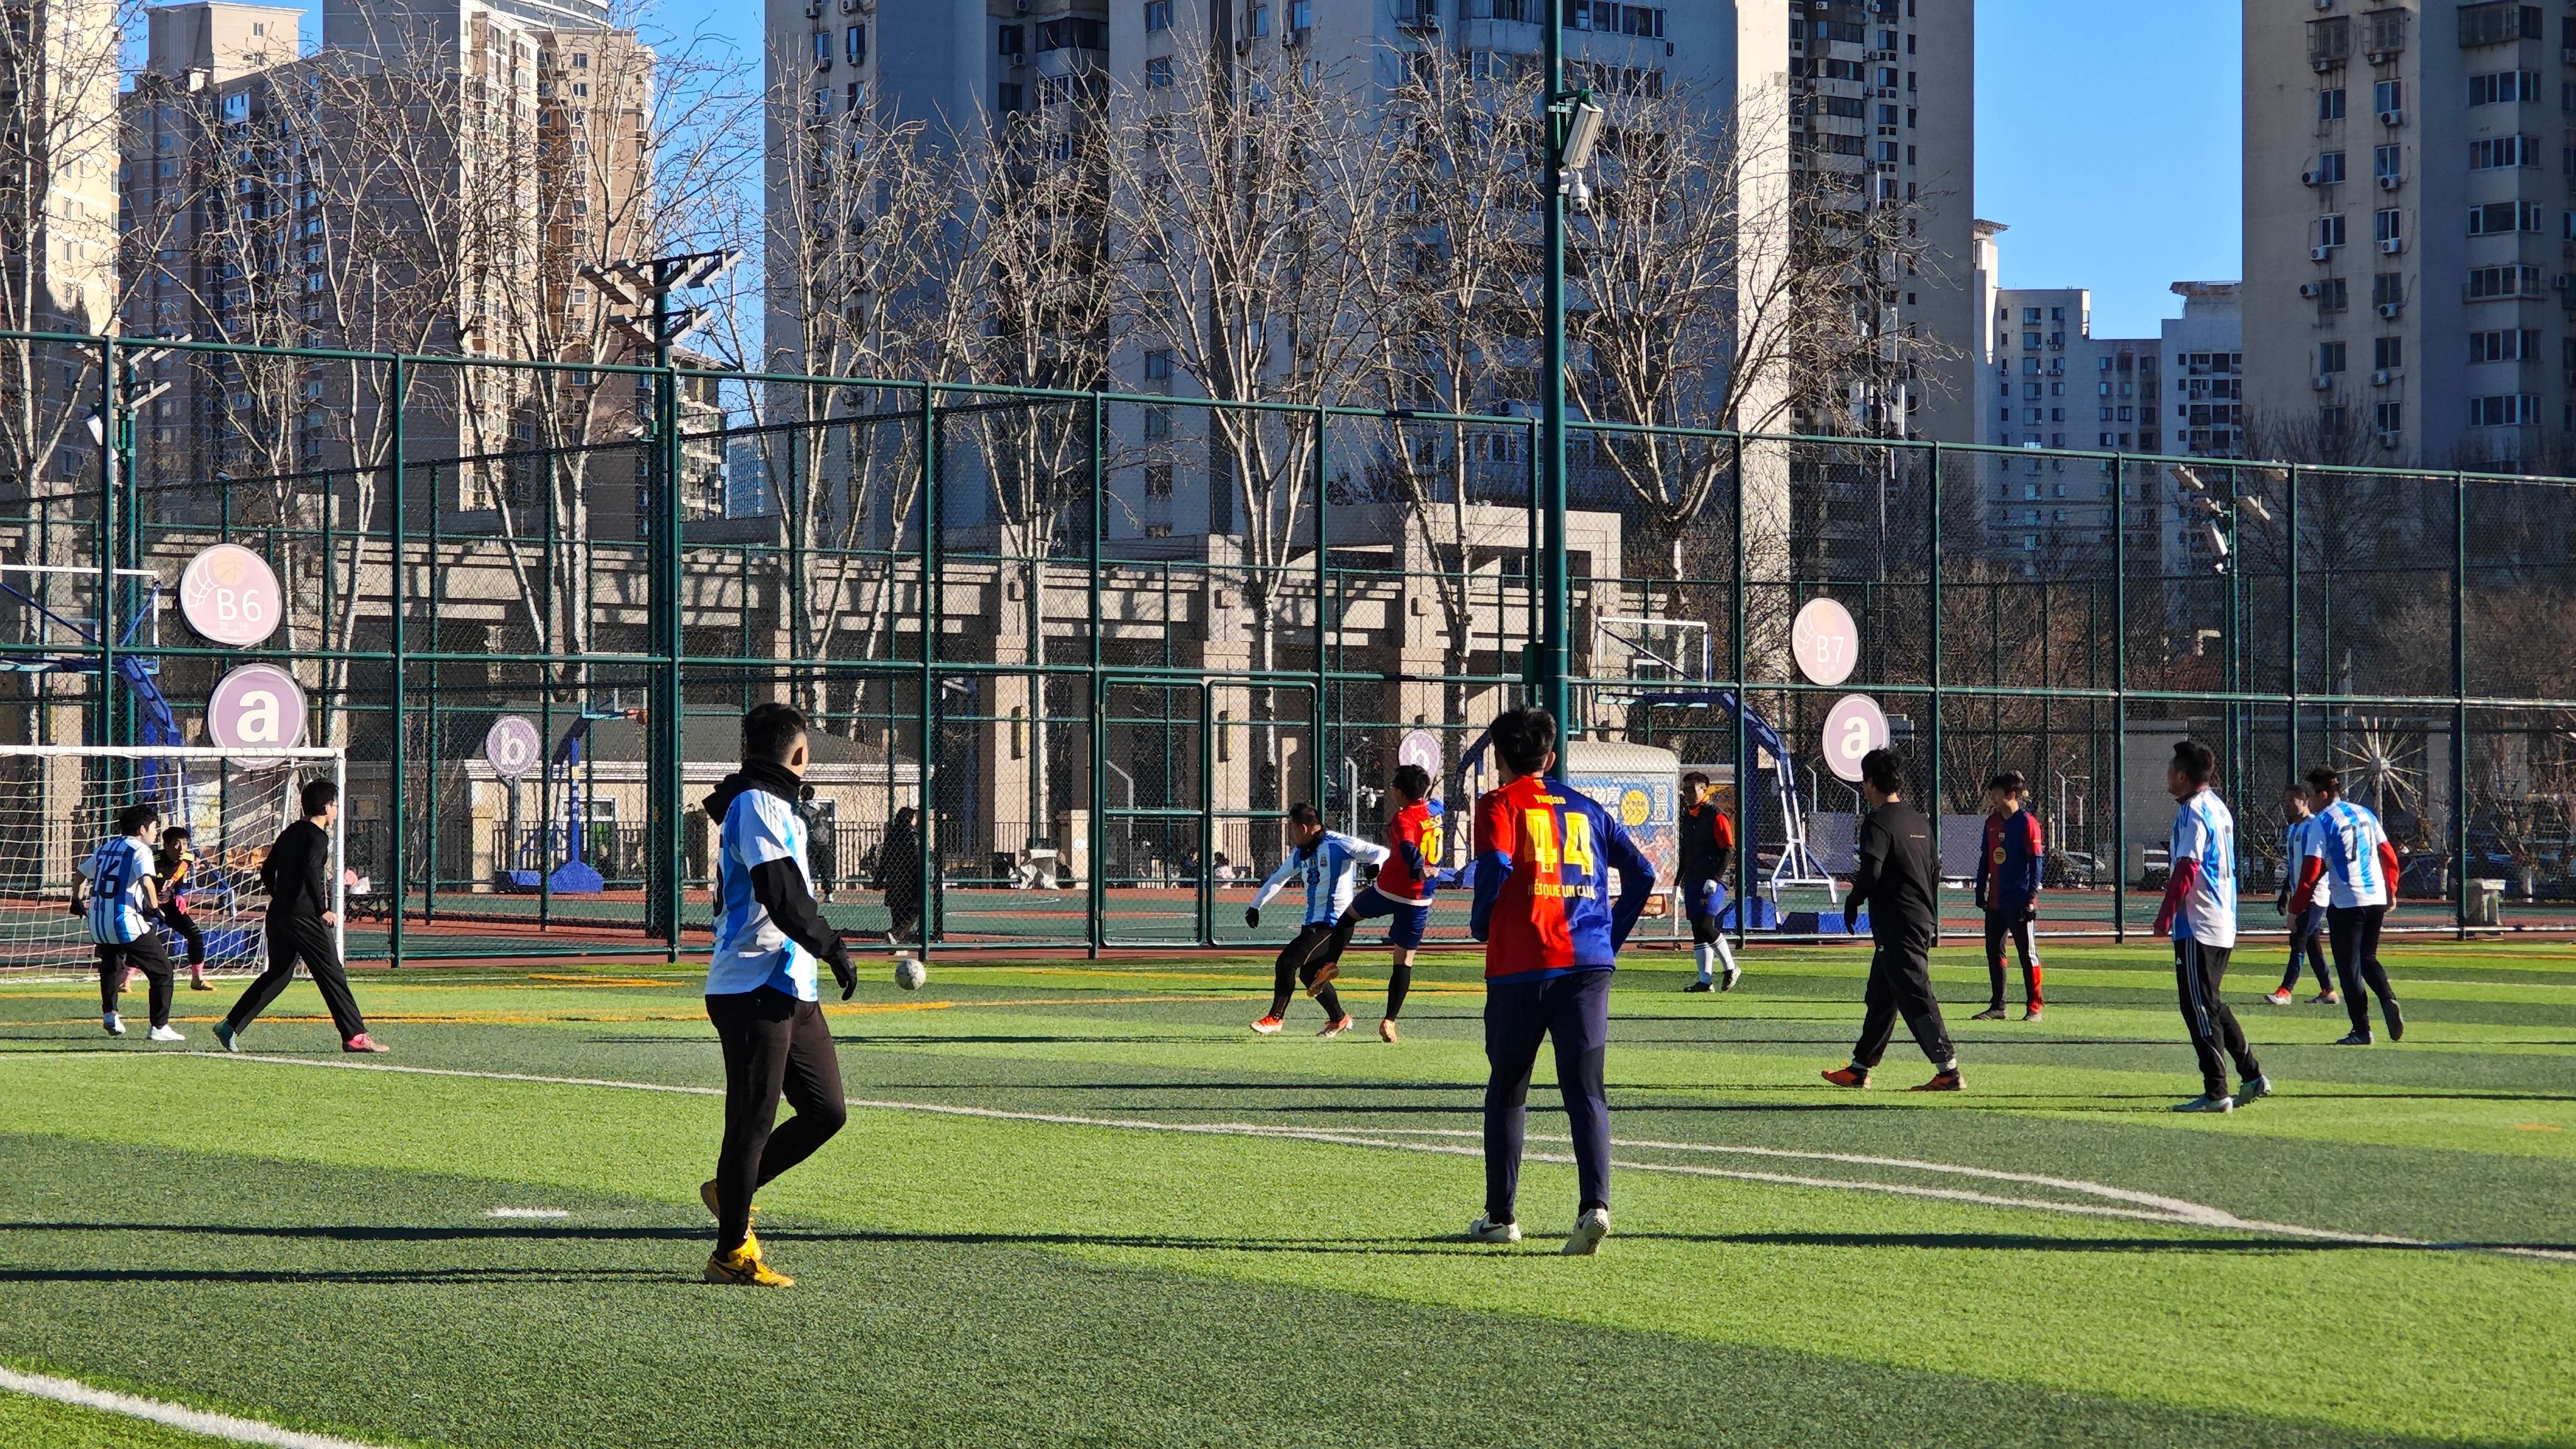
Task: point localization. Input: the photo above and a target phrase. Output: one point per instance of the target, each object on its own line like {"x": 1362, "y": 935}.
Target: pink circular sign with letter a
{"x": 229, "y": 595}
{"x": 256, "y": 706}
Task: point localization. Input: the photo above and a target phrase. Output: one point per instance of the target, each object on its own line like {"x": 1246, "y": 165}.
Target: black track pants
{"x": 774, "y": 1046}
{"x": 1900, "y": 984}
{"x": 2355, "y": 933}
{"x": 144, "y": 955}
{"x": 2199, "y": 972}
{"x": 292, "y": 939}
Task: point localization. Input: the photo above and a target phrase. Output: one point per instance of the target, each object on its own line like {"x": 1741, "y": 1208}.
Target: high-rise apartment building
{"x": 2407, "y": 219}
{"x": 2204, "y": 392}
{"x": 58, "y": 224}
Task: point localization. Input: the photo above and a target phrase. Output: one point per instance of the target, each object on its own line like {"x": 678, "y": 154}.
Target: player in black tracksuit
{"x": 297, "y": 875}
{"x": 1707, "y": 846}
{"x": 1900, "y": 880}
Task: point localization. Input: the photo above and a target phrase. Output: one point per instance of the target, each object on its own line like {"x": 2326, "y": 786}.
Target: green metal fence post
{"x": 106, "y": 733}
{"x": 1736, "y": 666}
{"x": 2119, "y": 698}
{"x": 1323, "y": 628}
{"x": 931, "y": 604}
{"x": 1096, "y": 908}
{"x": 2459, "y": 700}
{"x": 669, "y": 737}
{"x": 429, "y": 713}
{"x": 397, "y": 822}
{"x": 2290, "y": 604}
{"x": 1933, "y": 677}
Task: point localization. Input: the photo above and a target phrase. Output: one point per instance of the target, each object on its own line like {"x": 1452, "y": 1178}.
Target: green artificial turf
{"x": 315, "y": 1247}
{"x": 27, "y": 1422}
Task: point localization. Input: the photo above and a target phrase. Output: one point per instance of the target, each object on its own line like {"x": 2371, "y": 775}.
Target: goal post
{"x": 58, "y": 802}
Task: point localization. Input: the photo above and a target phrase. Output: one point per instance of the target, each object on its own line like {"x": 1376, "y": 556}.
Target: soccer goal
{"x": 57, "y": 802}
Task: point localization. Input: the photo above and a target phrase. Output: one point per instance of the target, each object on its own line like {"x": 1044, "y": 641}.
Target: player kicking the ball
{"x": 1403, "y": 890}
{"x": 1329, "y": 863}
{"x": 1544, "y": 856}
{"x": 761, "y": 994}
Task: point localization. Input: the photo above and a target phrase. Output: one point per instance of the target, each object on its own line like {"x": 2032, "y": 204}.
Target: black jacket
{"x": 1899, "y": 876}
{"x": 777, "y": 884}
{"x": 297, "y": 874}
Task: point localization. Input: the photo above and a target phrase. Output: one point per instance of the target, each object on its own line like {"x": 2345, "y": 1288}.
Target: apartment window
{"x": 2330, "y": 419}
{"x": 822, "y": 49}
{"x": 1158, "y": 480}
{"x": 1158, "y": 15}
{"x": 2497, "y": 217}
{"x": 856, "y": 47}
{"x": 1158, "y": 365}
{"x": 1158, "y": 423}
{"x": 1260, "y": 25}
{"x": 2503, "y": 151}
{"x": 2329, "y": 41}
{"x": 2387, "y": 353}
{"x": 2500, "y": 24}
{"x": 2330, "y": 357}
{"x": 2330, "y": 231}
{"x": 2504, "y": 88}
{"x": 2387, "y": 289}
{"x": 2388, "y": 161}
{"x": 2329, "y": 170}
{"x": 2388, "y": 226}
{"x": 1158, "y": 71}
{"x": 2029, "y": 315}
{"x": 2330, "y": 104}
{"x": 2391, "y": 417}
{"x": 2332, "y": 295}
{"x": 2388, "y": 95}
{"x": 1073, "y": 33}
{"x": 1010, "y": 98}
{"x": 2485, "y": 282}
{"x": 581, "y": 60}
{"x": 2504, "y": 410}
{"x": 1301, "y": 15}
{"x": 1014, "y": 39}
{"x": 2056, "y": 314}
{"x": 2510, "y": 345}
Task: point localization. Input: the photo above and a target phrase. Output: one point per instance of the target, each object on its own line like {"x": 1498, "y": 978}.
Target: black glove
{"x": 843, "y": 971}
{"x": 1252, "y": 917}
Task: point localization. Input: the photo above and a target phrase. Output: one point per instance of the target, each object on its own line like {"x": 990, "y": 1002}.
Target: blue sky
{"x": 2107, "y": 139}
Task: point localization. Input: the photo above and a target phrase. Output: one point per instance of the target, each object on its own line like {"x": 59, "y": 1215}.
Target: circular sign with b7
{"x": 229, "y": 596}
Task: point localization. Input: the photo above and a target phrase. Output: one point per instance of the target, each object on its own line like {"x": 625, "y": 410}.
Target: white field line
{"x": 2141, "y": 1206}
{"x": 177, "y": 1416}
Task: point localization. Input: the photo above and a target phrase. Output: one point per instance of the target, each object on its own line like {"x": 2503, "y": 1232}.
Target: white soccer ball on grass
{"x": 909, "y": 973}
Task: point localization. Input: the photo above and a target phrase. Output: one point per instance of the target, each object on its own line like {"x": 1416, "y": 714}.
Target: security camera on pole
{"x": 1573, "y": 122}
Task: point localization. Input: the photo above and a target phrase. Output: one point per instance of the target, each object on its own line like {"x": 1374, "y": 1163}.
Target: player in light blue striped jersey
{"x": 1332, "y": 866}
{"x": 2357, "y": 864}
{"x": 116, "y": 892}
{"x": 2200, "y": 909}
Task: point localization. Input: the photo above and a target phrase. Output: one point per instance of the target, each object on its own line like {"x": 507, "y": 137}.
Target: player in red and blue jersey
{"x": 2008, "y": 892}
{"x": 1552, "y": 933}
{"x": 1405, "y": 880}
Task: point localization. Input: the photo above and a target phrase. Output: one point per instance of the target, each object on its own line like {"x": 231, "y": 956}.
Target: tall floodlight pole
{"x": 1573, "y": 124}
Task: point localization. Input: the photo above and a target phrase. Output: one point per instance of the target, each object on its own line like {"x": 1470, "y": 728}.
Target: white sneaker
{"x": 1486, "y": 1230}
{"x": 1733, "y": 975}
{"x": 1589, "y": 1230}
{"x": 166, "y": 1033}
{"x": 114, "y": 1027}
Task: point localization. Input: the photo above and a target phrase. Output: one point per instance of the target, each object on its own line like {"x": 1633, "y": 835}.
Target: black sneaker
{"x": 1700, "y": 985}
{"x": 1992, "y": 1013}
{"x": 2396, "y": 1022}
{"x": 2357, "y": 1038}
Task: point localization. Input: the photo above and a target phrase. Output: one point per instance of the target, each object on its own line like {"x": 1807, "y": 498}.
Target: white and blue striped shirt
{"x": 1332, "y": 872}
{"x": 2204, "y": 833}
{"x": 751, "y": 952}
{"x": 117, "y": 874}
{"x": 2349, "y": 838}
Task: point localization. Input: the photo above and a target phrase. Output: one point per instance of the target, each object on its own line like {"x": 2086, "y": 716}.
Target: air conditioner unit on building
{"x": 2321, "y": 63}
{"x": 2382, "y": 378}
{"x": 2325, "y": 4}
{"x": 2388, "y": 440}
{"x": 2321, "y": 254}
{"x": 2388, "y": 311}
{"x": 2312, "y": 290}
{"x": 1020, "y": 59}
{"x": 2391, "y": 181}
{"x": 2391, "y": 245}
{"x": 2312, "y": 178}
{"x": 2392, "y": 118}
{"x": 2563, "y": 281}
{"x": 2322, "y": 382}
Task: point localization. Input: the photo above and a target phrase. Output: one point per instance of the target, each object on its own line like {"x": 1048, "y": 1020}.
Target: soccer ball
{"x": 909, "y": 973}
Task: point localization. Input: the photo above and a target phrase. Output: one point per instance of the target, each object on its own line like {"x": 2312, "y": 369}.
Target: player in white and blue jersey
{"x": 2307, "y": 928}
{"x": 761, "y": 991}
{"x": 2200, "y": 909}
{"x": 116, "y": 892}
{"x": 2357, "y": 865}
{"x": 1332, "y": 866}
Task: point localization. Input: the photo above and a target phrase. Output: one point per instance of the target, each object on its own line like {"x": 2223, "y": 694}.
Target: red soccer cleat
{"x": 1949, "y": 1081}
{"x": 1335, "y": 1029}
{"x": 363, "y": 1043}
{"x": 1848, "y": 1077}
{"x": 1324, "y": 975}
{"x": 1268, "y": 1026}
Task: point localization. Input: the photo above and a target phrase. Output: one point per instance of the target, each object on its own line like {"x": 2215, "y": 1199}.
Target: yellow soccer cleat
{"x": 742, "y": 1268}
{"x": 707, "y": 1195}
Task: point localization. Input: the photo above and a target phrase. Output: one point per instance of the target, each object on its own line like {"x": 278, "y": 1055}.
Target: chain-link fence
{"x": 1073, "y": 656}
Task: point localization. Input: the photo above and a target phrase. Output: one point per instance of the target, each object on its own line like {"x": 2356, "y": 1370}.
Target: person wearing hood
{"x": 899, "y": 876}
{"x": 761, "y": 992}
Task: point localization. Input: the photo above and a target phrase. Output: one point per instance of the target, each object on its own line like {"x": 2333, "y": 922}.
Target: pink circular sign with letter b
{"x": 229, "y": 595}
{"x": 256, "y": 706}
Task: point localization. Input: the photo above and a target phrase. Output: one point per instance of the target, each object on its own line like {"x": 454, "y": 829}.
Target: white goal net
{"x": 57, "y": 802}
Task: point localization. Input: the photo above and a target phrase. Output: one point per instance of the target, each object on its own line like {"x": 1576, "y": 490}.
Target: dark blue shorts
{"x": 1405, "y": 930}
